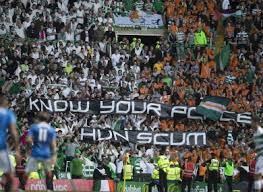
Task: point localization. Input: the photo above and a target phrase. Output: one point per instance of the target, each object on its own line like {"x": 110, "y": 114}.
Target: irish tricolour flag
{"x": 104, "y": 186}
{"x": 212, "y": 107}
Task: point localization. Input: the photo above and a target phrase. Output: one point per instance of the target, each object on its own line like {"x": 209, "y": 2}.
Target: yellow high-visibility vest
{"x": 127, "y": 172}
{"x": 173, "y": 173}
{"x": 155, "y": 174}
{"x": 214, "y": 165}
{"x": 163, "y": 162}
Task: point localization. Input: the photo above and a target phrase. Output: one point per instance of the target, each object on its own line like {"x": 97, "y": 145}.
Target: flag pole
{"x": 124, "y": 173}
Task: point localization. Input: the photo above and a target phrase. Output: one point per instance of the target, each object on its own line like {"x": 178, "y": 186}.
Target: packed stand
{"x": 68, "y": 50}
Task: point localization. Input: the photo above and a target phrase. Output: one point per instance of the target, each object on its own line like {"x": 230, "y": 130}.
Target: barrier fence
{"x": 83, "y": 185}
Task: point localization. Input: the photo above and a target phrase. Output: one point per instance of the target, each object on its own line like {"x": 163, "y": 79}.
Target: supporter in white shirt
{"x": 113, "y": 166}
{"x": 50, "y": 48}
{"x": 109, "y": 20}
{"x": 35, "y": 53}
{"x": 7, "y": 23}
{"x": 149, "y": 152}
{"x": 33, "y": 77}
{"x": 100, "y": 18}
{"x": 63, "y": 16}
{"x": 98, "y": 85}
{"x": 51, "y": 32}
{"x": 77, "y": 4}
{"x": 69, "y": 36}
{"x": 64, "y": 80}
{"x": 115, "y": 58}
{"x": 82, "y": 80}
{"x": 3, "y": 30}
{"x": 138, "y": 50}
{"x": 78, "y": 32}
{"x": 96, "y": 6}
{"x": 27, "y": 23}
{"x": 135, "y": 70}
{"x": 85, "y": 70}
{"x": 77, "y": 48}
{"x": 102, "y": 45}
{"x": 87, "y": 4}
{"x": 97, "y": 55}
{"x": 92, "y": 82}
{"x": 73, "y": 24}
{"x": 20, "y": 31}
{"x": 80, "y": 15}
{"x": 149, "y": 166}
{"x": 63, "y": 5}
{"x": 119, "y": 165}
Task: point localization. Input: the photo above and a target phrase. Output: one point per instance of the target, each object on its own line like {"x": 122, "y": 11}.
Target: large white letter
{"x": 100, "y": 138}
{"x": 122, "y": 104}
{"x": 227, "y": 119}
{"x": 87, "y": 134}
{"x": 155, "y": 107}
{"x": 126, "y": 137}
{"x": 196, "y": 135}
{"x": 59, "y": 103}
{"x": 134, "y": 103}
{"x": 42, "y": 105}
{"x": 182, "y": 142}
{"x": 108, "y": 108}
{"x": 155, "y": 142}
{"x": 144, "y": 138}
{"x": 182, "y": 110}
{"x": 189, "y": 116}
{"x": 244, "y": 118}
{"x": 79, "y": 105}
{"x": 31, "y": 103}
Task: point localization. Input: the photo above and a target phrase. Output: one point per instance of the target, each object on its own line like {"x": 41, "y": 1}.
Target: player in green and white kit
{"x": 258, "y": 139}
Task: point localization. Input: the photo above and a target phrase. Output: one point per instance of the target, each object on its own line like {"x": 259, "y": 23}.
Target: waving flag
{"x": 212, "y": 107}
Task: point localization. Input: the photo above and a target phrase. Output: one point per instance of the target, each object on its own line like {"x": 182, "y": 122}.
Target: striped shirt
{"x": 139, "y": 5}
{"x": 258, "y": 139}
{"x": 242, "y": 37}
{"x": 180, "y": 37}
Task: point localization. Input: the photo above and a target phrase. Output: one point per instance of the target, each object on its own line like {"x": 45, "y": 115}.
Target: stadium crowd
{"x": 68, "y": 50}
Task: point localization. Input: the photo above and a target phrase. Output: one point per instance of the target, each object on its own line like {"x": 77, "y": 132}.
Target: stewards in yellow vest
{"x": 213, "y": 173}
{"x": 229, "y": 168}
{"x": 155, "y": 174}
{"x": 163, "y": 164}
{"x": 155, "y": 179}
{"x": 127, "y": 172}
{"x": 174, "y": 172}
{"x": 200, "y": 38}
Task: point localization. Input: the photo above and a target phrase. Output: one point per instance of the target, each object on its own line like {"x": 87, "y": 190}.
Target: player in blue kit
{"x": 7, "y": 123}
{"x": 42, "y": 136}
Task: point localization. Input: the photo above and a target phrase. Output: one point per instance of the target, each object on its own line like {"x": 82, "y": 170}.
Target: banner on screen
{"x": 144, "y": 137}
{"x": 128, "y": 107}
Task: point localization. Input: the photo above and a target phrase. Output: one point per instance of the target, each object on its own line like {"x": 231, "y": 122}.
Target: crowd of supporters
{"x": 59, "y": 49}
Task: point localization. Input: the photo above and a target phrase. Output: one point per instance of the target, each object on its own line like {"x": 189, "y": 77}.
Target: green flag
{"x": 212, "y": 107}
{"x": 223, "y": 57}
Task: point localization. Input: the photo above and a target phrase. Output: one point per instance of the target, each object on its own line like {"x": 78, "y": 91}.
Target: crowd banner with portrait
{"x": 124, "y": 107}
{"x": 142, "y": 20}
{"x": 144, "y": 137}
